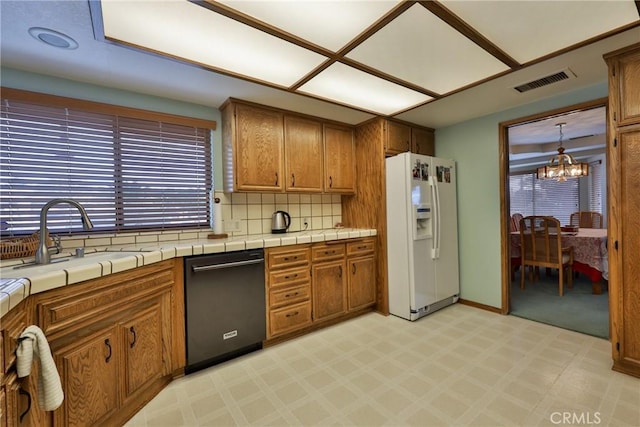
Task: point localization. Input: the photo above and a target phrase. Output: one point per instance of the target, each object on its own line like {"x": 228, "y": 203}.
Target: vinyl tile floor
{"x": 460, "y": 366}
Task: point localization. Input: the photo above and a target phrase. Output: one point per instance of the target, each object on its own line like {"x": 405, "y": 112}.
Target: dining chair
{"x": 541, "y": 246}
{"x": 515, "y": 221}
{"x": 586, "y": 219}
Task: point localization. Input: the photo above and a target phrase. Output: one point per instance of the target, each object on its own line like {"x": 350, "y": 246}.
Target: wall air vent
{"x": 553, "y": 78}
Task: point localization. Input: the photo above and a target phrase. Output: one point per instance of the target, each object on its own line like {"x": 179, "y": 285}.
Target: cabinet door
{"x": 89, "y": 374}
{"x": 422, "y": 142}
{"x": 629, "y": 89}
{"x": 397, "y": 138}
{"x": 339, "y": 159}
{"x": 624, "y": 246}
{"x": 329, "y": 289}
{"x": 303, "y": 154}
{"x": 143, "y": 349}
{"x": 362, "y": 282}
{"x": 259, "y": 143}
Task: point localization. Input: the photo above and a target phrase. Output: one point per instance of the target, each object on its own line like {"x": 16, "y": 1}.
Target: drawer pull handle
{"x": 295, "y": 313}
{"x": 330, "y": 182}
{"x": 353, "y": 268}
{"x": 107, "y": 342}
{"x": 293, "y": 180}
{"x": 26, "y": 411}
{"x": 135, "y": 337}
{"x": 340, "y": 274}
{"x": 276, "y": 178}
{"x": 291, "y": 277}
{"x": 291, "y": 295}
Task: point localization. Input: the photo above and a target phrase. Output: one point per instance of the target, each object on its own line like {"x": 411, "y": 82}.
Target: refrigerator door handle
{"x": 435, "y": 240}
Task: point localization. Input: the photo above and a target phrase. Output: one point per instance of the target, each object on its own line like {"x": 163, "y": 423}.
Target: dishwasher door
{"x": 224, "y": 306}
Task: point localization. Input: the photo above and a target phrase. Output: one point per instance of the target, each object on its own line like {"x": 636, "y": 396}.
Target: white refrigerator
{"x": 422, "y": 234}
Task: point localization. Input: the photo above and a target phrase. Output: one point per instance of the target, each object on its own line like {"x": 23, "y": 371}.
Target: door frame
{"x": 503, "y": 150}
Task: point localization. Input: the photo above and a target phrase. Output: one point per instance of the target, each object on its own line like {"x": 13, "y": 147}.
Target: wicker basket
{"x": 21, "y": 247}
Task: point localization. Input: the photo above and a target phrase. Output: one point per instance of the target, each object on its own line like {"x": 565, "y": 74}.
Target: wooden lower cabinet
{"x": 112, "y": 341}
{"x": 317, "y": 284}
{"x": 288, "y": 289}
{"x": 89, "y": 372}
{"x": 143, "y": 351}
{"x": 329, "y": 286}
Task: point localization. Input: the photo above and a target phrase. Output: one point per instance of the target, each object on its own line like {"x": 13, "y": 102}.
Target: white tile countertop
{"x": 66, "y": 269}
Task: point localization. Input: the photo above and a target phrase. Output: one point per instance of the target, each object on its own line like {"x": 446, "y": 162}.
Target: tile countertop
{"x": 18, "y": 283}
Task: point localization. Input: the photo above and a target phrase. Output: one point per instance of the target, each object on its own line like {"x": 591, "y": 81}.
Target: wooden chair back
{"x": 586, "y": 219}
{"x": 541, "y": 246}
{"x": 515, "y": 221}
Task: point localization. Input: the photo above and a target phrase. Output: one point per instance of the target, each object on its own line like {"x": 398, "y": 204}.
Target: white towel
{"x": 32, "y": 341}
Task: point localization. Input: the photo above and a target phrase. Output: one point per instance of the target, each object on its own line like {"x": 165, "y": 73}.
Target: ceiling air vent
{"x": 557, "y": 77}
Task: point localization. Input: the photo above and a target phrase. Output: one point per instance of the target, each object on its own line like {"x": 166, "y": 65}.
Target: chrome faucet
{"x": 42, "y": 254}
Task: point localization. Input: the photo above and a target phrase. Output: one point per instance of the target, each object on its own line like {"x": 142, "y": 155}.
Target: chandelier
{"x": 562, "y": 165}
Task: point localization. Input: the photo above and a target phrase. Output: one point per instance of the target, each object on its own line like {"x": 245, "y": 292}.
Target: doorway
{"x": 525, "y": 144}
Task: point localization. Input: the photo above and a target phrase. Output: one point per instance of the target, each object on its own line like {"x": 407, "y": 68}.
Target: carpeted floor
{"x": 578, "y": 309}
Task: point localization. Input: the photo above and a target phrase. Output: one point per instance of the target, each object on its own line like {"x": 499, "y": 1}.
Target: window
{"x": 596, "y": 184}
{"x": 129, "y": 168}
{"x": 532, "y": 196}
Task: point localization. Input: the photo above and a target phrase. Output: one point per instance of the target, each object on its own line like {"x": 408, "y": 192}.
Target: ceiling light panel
{"x": 188, "y": 31}
{"x": 330, "y": 24}
{"x": 349, "y": 86}
{"x": 527, "y": 30}
{"x": 420, "y": 48}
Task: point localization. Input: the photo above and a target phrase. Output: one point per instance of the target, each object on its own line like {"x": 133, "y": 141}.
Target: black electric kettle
{"x": 280, "y": 221}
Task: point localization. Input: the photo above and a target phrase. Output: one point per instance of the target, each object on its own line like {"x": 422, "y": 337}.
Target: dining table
{"x": 589, "y": 253}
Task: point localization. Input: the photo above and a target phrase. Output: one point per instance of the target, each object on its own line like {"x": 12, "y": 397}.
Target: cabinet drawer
{"x": 361, "y": 247}
{"x": 324, "y": 252}
{"x": 289, "y": 318}
{"x": 280, "y": 297}
{"x": 284, "y": 258}
{"x": 289, "y": 277}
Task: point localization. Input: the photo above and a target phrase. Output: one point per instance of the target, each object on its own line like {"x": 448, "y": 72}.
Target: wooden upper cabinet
{"x": 422, "y": 141}
{"x": 339, "y": 159}
{"x": 303, "y": 154}
{"x": 397, "y": 138}
{"x": 253, "y": 148}
{"x": 626, "y": 71}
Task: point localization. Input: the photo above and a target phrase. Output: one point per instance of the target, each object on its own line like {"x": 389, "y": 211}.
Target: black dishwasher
{"x": 224, "y": 306}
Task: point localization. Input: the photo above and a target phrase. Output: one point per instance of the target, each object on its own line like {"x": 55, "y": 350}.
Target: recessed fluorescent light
{"x": 53, "y": 38}
{"x": 349, "y": 86}
{"x": 187, "y": 31}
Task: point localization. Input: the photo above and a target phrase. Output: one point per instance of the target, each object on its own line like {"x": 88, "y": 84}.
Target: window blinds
{"x": 129, "y": 173}
{"x": 596, "y": 184}
{"x": 532, "y": 196}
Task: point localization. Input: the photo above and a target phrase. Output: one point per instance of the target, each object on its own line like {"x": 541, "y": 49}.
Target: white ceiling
{"x": 453, "y": 60}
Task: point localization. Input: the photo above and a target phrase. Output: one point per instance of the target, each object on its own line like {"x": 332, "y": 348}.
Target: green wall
{"x": 474, "y": 145}
{"x": 24, "y": 80}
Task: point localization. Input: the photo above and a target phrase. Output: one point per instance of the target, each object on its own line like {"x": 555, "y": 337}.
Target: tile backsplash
{"x": 252, "y": 211}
